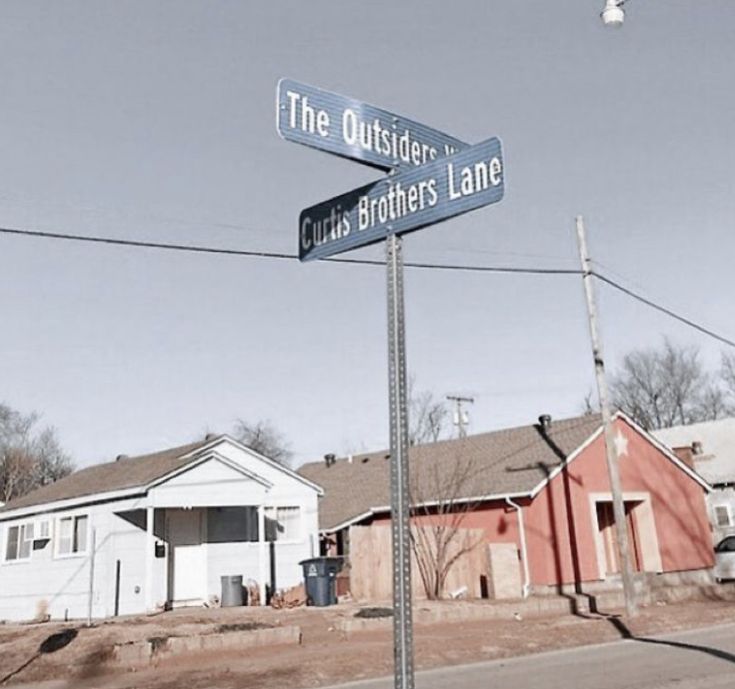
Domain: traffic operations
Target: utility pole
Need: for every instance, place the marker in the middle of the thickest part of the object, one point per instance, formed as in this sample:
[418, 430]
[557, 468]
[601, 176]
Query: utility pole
[621, 530]
[460, 416]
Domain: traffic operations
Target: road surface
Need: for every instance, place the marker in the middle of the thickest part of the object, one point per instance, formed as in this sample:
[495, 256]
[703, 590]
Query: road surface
[701, 659]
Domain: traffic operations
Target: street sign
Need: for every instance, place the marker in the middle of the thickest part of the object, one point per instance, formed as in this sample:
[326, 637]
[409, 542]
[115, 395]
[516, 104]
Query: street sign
[433, 177]
[403, 202]
[353, 129]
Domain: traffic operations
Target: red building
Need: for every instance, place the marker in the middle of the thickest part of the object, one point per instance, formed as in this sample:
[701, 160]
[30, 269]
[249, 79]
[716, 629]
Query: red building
[543, 487]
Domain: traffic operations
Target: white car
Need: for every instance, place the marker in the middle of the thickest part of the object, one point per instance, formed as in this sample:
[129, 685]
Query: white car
[725, 559]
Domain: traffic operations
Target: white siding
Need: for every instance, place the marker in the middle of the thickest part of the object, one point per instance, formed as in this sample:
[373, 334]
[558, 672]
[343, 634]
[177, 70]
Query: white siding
[60, 585]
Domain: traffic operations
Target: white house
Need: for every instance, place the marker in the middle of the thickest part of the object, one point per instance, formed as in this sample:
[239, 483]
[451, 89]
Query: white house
[709, 448]
[154, 531]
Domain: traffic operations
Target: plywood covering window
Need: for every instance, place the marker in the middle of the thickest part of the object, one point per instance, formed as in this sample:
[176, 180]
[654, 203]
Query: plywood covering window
[19, 542]
[72, 535]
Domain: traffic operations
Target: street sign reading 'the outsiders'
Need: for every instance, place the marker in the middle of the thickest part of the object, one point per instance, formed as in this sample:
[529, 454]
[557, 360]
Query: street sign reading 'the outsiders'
[410, 199]
[353, 129]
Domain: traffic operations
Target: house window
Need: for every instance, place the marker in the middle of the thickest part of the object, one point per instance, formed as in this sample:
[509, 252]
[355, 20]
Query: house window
[282, 523]
[722, 515]
[19, 542]
[72, 535]
[232, 524]
[44, 531]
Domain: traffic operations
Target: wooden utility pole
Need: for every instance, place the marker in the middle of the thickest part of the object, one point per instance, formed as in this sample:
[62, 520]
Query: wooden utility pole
[621, 529]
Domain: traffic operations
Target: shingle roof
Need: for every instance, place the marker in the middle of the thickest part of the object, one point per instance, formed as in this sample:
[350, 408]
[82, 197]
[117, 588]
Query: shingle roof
[129, 472]
[506, 462]
[717, 461]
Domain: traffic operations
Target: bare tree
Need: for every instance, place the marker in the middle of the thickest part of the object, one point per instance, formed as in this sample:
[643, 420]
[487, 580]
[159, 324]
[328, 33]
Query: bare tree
[427, 416]
[29, 457]
[264, 438]
[440, 505]
[665, 387]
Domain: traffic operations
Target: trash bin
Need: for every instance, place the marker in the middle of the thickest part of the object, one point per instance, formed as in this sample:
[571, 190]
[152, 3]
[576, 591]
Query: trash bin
[231, 591]
[320, 580]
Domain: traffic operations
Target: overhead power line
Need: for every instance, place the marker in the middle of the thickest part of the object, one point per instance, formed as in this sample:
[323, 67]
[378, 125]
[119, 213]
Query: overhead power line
[200, 249]
[663, 309]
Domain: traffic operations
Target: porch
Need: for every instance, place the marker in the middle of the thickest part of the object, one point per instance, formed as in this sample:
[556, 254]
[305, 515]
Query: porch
[187, 549]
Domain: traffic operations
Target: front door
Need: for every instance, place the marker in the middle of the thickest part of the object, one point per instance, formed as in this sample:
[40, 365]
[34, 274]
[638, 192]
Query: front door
[187, 562]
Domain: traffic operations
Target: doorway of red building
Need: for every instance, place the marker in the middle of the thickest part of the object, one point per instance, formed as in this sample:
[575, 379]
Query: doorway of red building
[606, 526]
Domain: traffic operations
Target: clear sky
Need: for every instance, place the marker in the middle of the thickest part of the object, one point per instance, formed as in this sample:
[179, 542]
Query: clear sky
[156, 120]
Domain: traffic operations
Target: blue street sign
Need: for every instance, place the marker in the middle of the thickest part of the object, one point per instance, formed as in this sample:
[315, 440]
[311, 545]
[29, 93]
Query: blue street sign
[352, 129]
[403, 202]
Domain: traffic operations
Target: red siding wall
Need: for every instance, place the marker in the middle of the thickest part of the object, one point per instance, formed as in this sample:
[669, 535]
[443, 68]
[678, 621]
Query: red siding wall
[560, 525]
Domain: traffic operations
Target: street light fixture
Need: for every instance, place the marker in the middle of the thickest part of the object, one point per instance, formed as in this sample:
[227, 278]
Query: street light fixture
[613, 13]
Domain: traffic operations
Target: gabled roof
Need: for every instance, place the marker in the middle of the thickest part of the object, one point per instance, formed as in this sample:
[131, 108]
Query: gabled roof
[717, 461]
[509, 462]
[127, 472]
[135, 475]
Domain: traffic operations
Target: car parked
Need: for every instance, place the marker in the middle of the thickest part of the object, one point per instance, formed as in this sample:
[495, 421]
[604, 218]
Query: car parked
[725, 559]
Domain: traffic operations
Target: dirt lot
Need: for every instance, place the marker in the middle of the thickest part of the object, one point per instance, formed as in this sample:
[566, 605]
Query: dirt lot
[326, 655]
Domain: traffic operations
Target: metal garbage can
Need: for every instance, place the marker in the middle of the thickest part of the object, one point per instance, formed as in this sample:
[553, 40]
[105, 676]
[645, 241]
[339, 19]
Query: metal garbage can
[320, 580]
[231, 591]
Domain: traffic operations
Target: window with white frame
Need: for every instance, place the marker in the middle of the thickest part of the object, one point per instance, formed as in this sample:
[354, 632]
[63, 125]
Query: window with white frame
[19, 542]
[43, 533]
[72, 535]
[282, 523]
[722, 515]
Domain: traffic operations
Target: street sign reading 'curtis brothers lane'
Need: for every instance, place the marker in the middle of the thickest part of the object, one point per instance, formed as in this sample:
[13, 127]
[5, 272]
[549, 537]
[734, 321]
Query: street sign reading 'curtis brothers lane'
[353, 129]
[408, 200]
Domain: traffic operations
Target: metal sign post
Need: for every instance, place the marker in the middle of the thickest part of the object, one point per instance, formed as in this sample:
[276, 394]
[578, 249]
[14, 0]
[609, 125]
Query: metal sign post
[399, 493]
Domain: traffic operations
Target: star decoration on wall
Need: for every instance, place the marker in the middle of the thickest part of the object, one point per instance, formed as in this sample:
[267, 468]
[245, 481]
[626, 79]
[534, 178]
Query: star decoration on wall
[621, 444]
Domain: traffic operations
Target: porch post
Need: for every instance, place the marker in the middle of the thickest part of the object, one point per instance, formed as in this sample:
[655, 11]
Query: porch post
[149, 516]
[261, 553]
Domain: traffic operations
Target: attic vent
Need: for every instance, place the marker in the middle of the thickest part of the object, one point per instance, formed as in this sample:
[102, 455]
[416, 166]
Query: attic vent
[545, 422]
[210, 436]
[365, 460]
[330, 459]
[119, 457]
[697, 447]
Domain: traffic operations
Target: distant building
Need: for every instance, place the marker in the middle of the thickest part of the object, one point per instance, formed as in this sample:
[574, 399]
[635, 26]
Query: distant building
[156, 531]
[709, 447]
[544, 488]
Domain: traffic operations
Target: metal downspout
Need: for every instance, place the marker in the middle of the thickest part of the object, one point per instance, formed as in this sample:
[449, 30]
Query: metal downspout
[524, 552]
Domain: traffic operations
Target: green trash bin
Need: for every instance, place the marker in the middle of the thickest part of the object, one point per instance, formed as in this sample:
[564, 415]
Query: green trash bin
[320, 580]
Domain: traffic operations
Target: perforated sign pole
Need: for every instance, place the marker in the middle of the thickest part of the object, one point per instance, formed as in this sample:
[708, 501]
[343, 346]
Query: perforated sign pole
[397, 384]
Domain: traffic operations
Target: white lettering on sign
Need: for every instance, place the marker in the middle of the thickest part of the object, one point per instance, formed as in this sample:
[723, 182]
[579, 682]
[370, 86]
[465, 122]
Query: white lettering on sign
[311, 120]
[394, 143]
[473, 178]
[317, 232]
[396, 203]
